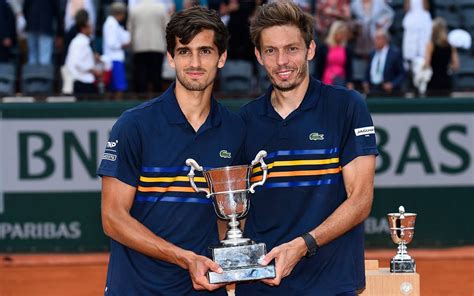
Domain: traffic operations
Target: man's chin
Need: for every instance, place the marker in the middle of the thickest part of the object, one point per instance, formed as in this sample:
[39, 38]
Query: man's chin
[194, 86]
[285, 86]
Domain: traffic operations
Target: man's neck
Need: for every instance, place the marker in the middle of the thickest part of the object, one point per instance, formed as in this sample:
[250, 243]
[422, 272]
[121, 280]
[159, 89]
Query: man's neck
[285, 102]
[383, 49]
[195, 105]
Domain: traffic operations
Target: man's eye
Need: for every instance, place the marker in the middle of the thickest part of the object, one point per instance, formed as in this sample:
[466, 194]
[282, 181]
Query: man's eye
[269, 50]
[293, 49]
[206, 51]
[183, 51]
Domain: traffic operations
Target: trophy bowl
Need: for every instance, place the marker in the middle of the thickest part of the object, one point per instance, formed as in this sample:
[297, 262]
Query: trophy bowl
[402, 229]
[231, 184]
[229, 187]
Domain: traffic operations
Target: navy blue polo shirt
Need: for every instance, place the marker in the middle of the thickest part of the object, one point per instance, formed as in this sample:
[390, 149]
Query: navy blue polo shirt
[306, 153]
[147, 149]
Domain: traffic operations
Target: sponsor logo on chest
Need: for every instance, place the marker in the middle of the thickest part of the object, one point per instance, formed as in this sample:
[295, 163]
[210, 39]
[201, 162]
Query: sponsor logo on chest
[225, 154]
[316, 137]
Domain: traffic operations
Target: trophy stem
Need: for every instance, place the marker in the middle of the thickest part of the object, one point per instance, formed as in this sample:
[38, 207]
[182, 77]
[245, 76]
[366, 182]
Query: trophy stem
[402, 253]
[234, 235]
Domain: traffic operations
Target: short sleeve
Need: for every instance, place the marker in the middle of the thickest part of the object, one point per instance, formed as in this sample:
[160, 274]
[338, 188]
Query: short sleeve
[358, 132]
[122, 155]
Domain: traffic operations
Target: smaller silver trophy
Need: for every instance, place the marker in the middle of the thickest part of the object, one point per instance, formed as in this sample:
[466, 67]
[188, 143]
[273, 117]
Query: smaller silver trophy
[228, 187]
[402, 229]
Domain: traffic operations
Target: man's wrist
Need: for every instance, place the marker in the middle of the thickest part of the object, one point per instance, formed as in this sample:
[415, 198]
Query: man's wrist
[311, 244]
[301, 245]
[184, 258]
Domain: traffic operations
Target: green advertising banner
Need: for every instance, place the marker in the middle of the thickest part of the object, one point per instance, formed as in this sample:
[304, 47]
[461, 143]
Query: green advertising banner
[50, 196]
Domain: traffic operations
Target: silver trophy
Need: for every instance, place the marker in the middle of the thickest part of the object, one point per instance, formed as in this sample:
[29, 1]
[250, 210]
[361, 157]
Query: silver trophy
[228, 187]
[402, 229]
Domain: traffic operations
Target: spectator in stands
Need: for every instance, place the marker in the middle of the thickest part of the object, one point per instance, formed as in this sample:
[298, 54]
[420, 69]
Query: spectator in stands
[102, 10]
[370, 15]
[17, 7]
[240, 45]
[81, 17]
[328, 11]
[385, 73]
[80, 60]
[7, 31]
[442, 58]
[43, 21]
[115, 39]
[170, 5]
[73, 6]
[416, 32]
[334, 58]
[147, 23]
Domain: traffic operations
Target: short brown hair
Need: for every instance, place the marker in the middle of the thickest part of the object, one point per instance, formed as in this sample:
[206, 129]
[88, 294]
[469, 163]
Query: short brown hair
[186, 24]
[281, 13]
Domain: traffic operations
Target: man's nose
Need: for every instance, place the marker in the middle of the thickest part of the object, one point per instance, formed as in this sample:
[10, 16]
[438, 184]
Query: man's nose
[282, 58]
[195, 60]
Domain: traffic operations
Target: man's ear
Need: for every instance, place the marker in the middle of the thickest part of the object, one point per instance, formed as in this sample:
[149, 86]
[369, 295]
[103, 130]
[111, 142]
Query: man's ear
[170, 60]
[257, 54]
[222, 60]
[311, 50]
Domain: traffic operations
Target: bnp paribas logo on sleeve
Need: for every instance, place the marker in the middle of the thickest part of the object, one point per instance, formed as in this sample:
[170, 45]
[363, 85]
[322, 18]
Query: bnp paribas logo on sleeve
[225, 154]
[316, 137]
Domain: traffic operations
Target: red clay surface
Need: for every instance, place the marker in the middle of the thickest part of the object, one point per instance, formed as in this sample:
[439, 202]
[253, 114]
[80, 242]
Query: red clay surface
[448, 272]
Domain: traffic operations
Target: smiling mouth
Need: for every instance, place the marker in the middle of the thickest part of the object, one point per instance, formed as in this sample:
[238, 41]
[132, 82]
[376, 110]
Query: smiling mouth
[284, 74]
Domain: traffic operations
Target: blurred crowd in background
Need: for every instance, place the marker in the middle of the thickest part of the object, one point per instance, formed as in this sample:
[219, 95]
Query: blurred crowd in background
[101, 49]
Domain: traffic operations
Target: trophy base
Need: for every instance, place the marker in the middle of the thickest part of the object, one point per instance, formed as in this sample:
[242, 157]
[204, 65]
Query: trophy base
[240, 263]
[242, 274]
[402, 266]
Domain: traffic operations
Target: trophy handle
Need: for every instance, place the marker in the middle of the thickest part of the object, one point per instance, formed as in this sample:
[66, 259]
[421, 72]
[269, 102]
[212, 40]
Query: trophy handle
[195, 166]
[259, 158]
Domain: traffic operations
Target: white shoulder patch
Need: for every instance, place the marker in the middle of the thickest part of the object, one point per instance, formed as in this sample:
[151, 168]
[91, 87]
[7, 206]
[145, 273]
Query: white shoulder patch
[364, 131]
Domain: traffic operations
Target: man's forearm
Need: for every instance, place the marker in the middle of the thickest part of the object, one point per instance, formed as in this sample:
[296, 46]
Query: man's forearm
[359, 182]
[131, 233]
[347, 216]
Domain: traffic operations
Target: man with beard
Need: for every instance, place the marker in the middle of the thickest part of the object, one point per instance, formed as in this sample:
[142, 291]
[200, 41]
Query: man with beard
[159, 227]
[321, 149]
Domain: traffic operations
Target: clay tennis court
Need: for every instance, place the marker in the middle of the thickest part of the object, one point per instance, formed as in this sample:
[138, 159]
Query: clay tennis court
[447, 272]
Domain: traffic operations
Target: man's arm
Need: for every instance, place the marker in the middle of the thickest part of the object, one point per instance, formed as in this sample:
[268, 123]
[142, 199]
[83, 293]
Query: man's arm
[117, 199]
[359, 182]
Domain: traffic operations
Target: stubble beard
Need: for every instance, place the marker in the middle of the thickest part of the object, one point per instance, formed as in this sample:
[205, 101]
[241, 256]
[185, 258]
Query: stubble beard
[193, 85]
[301, 73]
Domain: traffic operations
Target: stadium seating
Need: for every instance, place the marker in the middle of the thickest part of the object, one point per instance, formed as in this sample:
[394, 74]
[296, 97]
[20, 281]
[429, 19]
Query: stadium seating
[465, 3]
[19, 99]
[449, 10]
[464, 78]
[263, 80]
[358, 67]
[236, 76]
[467, 13]
[7, 79]
[61, 99]
[37, 79]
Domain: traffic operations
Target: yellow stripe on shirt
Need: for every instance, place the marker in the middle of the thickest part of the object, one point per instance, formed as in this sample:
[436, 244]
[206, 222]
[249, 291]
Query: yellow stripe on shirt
[170, 179]
[299, 173]
[299, 162]
[166, 189]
